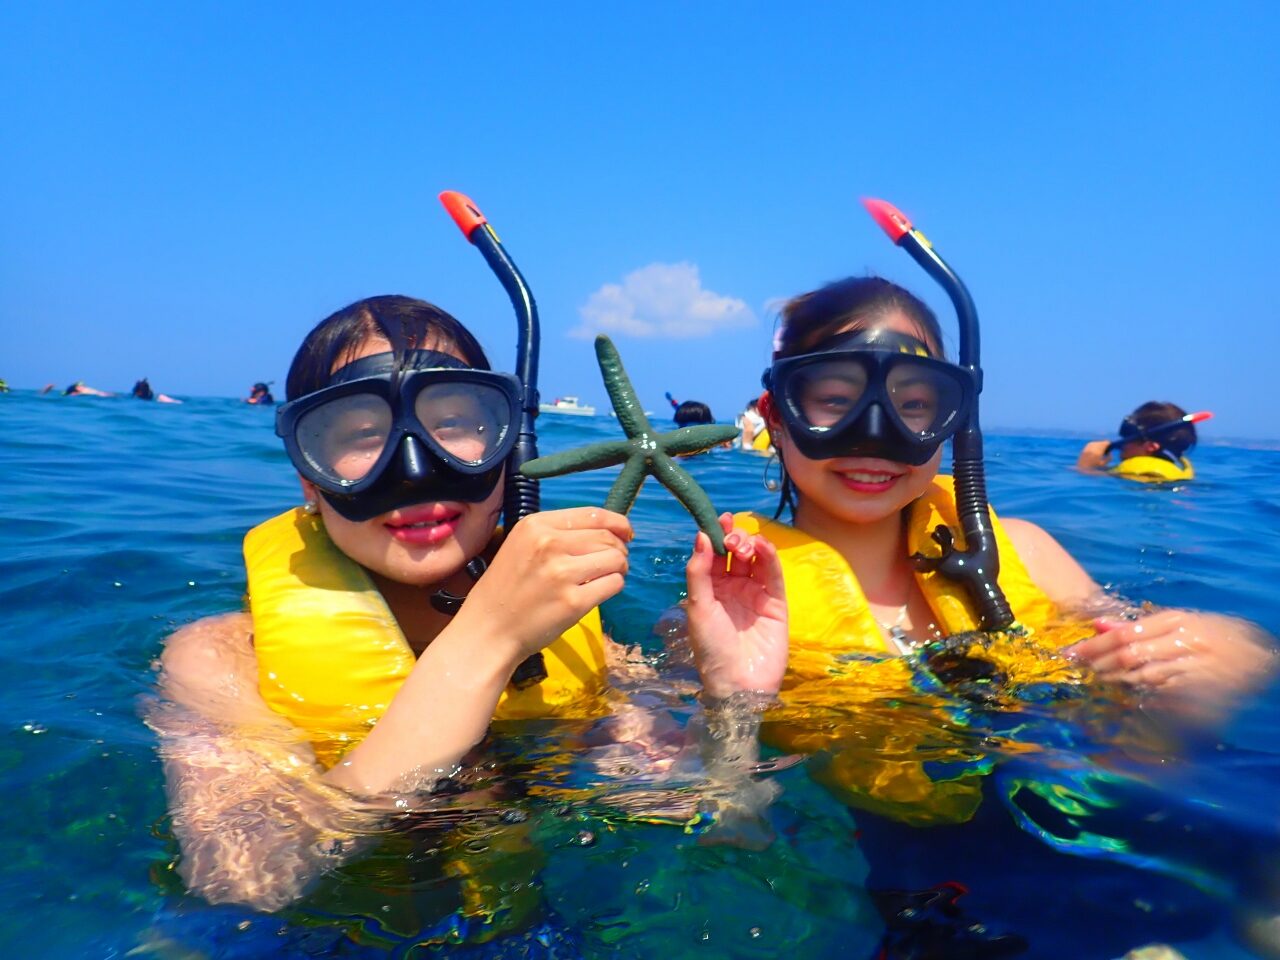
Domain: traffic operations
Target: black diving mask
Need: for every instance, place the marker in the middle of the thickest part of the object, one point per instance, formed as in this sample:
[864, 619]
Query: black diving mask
[873, 393]
[1173, 437]
[385, 435]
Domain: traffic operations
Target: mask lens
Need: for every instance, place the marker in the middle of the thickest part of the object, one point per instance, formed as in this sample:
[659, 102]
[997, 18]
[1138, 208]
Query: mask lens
[924, 398]
[343, 439]
[824, 393]
[468, 420]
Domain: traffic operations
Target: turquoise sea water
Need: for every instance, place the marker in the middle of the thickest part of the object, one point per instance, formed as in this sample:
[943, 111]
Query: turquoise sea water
[121, 520]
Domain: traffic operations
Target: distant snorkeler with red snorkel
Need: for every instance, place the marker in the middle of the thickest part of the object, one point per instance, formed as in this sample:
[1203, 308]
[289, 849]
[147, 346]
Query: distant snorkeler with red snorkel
[1152, 441]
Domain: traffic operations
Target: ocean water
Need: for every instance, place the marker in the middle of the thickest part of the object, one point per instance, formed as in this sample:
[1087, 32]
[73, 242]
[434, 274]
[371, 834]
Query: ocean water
[122, 520]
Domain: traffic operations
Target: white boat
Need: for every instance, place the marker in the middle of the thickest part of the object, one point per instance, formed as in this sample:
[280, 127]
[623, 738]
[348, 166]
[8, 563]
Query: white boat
[568, 406]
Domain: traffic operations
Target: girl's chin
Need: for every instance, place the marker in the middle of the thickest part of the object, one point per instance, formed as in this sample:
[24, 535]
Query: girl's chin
[412, 575]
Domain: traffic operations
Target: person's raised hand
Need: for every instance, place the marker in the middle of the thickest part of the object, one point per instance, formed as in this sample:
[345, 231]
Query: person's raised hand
[551, 570]
[737, 614]
[1095, 455]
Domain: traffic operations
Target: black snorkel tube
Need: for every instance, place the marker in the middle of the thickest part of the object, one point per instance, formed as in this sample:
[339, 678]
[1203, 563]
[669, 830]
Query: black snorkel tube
[520, 495]
[977, 566]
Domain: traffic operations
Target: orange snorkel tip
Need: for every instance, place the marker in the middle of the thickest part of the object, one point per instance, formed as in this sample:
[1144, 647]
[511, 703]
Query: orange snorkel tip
[463, 211]
[892, 220]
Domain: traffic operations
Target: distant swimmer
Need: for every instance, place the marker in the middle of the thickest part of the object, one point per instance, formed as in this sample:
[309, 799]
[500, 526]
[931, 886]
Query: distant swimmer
[691, 413]
[1153, 441]
[142, 391]
[260, 393]
[755, 432]
[78, 389]
[4, 386]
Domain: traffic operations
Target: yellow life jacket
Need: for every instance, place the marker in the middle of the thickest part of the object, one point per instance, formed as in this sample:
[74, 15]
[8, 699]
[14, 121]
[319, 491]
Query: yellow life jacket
[1153, 469]
[844, 681]
[331, 655]
[761, 439]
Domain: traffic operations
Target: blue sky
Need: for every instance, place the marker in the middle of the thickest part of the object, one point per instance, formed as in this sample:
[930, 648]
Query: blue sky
[188, 188]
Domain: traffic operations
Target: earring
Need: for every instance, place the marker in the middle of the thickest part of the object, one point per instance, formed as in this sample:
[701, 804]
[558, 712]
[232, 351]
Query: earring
[311, 508]
[770, 484]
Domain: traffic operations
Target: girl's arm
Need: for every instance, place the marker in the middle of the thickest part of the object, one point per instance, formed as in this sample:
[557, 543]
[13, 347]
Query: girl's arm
[1054, 570]
[737, 615]
[256, 818]
[1095, 456]
[1199, 662]
[551, 570]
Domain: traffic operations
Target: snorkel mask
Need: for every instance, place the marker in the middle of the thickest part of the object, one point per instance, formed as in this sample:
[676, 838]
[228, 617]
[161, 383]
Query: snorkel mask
[1174, 437]
[872, 393]
[386, 434]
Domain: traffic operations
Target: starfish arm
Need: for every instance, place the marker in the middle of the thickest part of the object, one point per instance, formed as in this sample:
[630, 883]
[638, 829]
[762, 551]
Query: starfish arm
[621, 393]
[626, 488]
[606, 453]
[694, 498]
[695, 439]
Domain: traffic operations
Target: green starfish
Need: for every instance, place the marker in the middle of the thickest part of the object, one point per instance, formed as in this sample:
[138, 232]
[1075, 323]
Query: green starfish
[643, 452]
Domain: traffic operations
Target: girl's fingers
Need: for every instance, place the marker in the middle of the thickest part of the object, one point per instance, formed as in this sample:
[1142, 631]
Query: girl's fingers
[1157, 673]
[1099, 645]
[579, 543]
[1114, 635]
[580, 518]
[1137, 654]
[1126, 657]
[769, 568]
[741, 548]
[600, 589]
[585, 568]
[698, 570]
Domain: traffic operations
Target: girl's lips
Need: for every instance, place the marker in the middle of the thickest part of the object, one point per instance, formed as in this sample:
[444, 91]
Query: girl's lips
[868, 480]
[424, 525]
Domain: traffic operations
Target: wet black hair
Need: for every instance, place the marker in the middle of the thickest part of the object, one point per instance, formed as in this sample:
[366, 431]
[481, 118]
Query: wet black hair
[142, 390]
[691, 412]
[1155, 412]
[809, 321]
[404, 322]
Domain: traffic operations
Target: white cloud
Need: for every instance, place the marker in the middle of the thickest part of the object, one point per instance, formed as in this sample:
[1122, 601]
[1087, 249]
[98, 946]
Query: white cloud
[661, 300]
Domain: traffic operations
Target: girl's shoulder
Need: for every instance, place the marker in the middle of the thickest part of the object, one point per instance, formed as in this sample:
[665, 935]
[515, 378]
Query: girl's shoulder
[210, 659]
[1051, 567]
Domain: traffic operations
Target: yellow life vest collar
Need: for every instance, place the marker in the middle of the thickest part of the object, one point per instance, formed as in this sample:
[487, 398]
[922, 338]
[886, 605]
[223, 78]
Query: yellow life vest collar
[1147, 469]
[331, 655]
[825, 596]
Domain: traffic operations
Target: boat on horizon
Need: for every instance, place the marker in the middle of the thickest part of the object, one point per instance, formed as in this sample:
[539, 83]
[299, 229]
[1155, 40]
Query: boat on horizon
[567, 406]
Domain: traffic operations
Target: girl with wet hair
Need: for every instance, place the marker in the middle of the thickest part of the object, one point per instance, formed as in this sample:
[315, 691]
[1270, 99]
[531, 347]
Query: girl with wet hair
[859, 401]
[387, 615]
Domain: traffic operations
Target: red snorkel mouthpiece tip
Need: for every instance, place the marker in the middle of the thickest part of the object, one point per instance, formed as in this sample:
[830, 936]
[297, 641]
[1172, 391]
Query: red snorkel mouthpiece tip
[464, 212]
[892, 220]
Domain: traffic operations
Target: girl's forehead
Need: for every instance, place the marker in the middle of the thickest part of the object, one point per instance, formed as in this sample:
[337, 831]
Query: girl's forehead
[892, 320]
